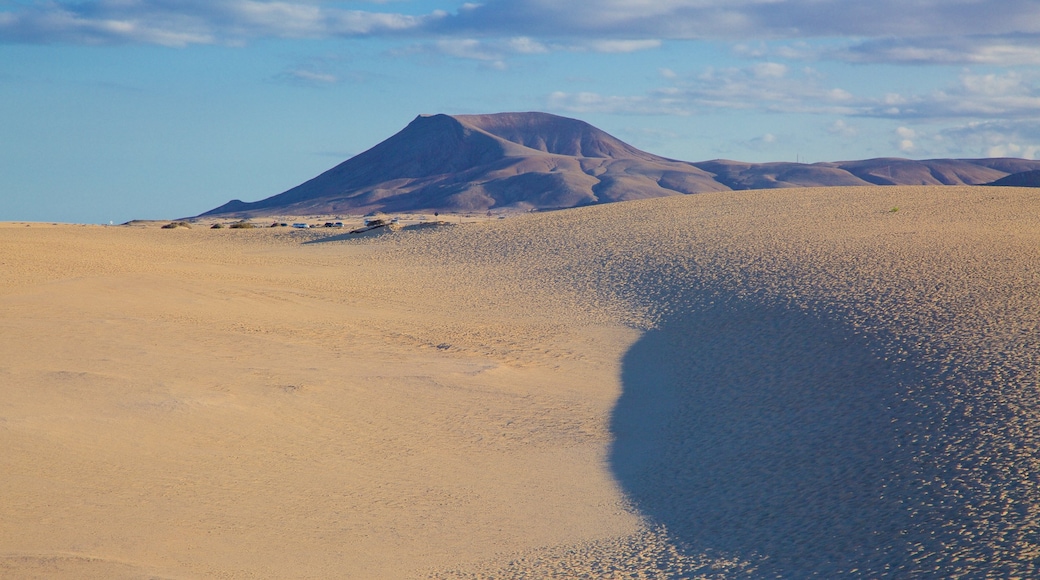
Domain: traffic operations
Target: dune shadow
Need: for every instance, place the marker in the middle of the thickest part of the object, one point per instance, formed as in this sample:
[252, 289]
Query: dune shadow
[766, 434]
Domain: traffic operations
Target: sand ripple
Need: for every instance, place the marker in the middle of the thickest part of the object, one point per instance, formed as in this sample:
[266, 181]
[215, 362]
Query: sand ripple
[788, 383]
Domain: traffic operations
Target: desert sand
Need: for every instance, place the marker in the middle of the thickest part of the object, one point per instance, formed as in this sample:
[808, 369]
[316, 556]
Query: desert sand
[840, 382]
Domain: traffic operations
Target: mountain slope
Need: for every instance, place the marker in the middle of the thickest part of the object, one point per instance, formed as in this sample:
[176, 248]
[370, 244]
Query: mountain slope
[540, 161]
[476, 162]
[1021, 179]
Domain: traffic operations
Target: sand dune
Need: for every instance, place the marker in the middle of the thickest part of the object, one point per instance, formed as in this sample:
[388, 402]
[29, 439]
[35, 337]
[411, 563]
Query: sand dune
[839, 382]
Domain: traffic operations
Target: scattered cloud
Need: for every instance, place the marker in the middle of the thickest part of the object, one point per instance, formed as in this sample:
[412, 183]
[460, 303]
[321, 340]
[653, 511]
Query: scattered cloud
[498, 51]
[994, 139]
[526, 45]
[468, 48]
[184, 22]
[320, 70]
[842, 129]
[982, 96]
[768, 87]
[308, 77]
[992, 104]
[589, 102]
[1010, 50]
[615, 46]
[492, 53]
[905, 139]
[769, 70]
[764, 86]
[764, 144]
[974, 32]
[738, 19]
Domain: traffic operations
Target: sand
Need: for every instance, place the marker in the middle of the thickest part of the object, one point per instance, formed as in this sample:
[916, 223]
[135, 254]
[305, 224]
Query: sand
[743, 384]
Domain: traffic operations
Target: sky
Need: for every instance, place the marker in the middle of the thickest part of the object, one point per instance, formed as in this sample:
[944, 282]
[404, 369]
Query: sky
[112, 110]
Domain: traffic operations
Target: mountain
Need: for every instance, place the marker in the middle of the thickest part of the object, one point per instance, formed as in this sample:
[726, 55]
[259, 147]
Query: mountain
[1021, 179]
[476, 162]
[541, 161]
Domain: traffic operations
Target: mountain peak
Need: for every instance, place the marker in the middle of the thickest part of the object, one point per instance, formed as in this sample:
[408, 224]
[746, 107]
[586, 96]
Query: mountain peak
[529, 160]
[553, 134]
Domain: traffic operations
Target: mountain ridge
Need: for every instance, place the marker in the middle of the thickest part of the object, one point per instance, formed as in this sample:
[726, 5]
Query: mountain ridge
[534, 160]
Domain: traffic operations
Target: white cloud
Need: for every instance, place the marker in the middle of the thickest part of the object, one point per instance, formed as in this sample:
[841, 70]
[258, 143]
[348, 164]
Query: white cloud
[1012, 49]
[589, 102]
[624, 45]
[499, 50]
[842, 129]
[966, 48]
[994, 139]
[1012, 149]
[840, 95]
[184, 22]
[469, 48]
[764, 86]
[905, 139]
[310, 77]
[739, 19]
[767, 88]
[769, 70]
[989, 96]
[492, 52]
[993, 84]
[526, 45]
[974, 32]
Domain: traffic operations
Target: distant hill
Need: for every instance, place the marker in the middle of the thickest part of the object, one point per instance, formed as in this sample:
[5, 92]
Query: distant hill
[1021, 179]
[542, 161]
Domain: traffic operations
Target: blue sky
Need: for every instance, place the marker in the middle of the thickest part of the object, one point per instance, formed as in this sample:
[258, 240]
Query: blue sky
[122, 109]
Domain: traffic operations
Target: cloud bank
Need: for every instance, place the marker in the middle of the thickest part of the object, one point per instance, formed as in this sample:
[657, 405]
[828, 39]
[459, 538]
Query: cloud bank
[972, 31]
[774, 87]
[992, 106]
[184, 22]
[735, 19]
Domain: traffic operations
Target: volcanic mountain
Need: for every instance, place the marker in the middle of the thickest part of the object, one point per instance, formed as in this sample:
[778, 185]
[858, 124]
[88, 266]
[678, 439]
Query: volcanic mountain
[476, 162]
[542, 161]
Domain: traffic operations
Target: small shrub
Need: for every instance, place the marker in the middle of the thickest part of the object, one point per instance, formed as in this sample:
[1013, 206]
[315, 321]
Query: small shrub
[174, 225]
[242, 226]
[217, 227]
[893, 210]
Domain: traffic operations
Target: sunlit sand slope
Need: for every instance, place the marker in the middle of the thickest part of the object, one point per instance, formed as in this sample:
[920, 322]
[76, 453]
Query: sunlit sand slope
[840, 382]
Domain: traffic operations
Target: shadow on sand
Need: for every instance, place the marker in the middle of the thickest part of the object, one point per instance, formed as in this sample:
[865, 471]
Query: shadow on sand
[766, 434]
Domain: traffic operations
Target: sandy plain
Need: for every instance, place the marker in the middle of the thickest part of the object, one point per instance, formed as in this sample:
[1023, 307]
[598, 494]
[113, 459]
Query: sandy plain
[839, 382]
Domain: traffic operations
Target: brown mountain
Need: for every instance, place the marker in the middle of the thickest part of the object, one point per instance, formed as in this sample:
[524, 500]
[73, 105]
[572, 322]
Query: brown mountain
[539, 161]
[1021, 179]
[476, 162]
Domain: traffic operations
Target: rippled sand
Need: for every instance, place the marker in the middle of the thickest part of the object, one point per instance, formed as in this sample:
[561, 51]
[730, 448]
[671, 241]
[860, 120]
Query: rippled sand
[840, 382]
